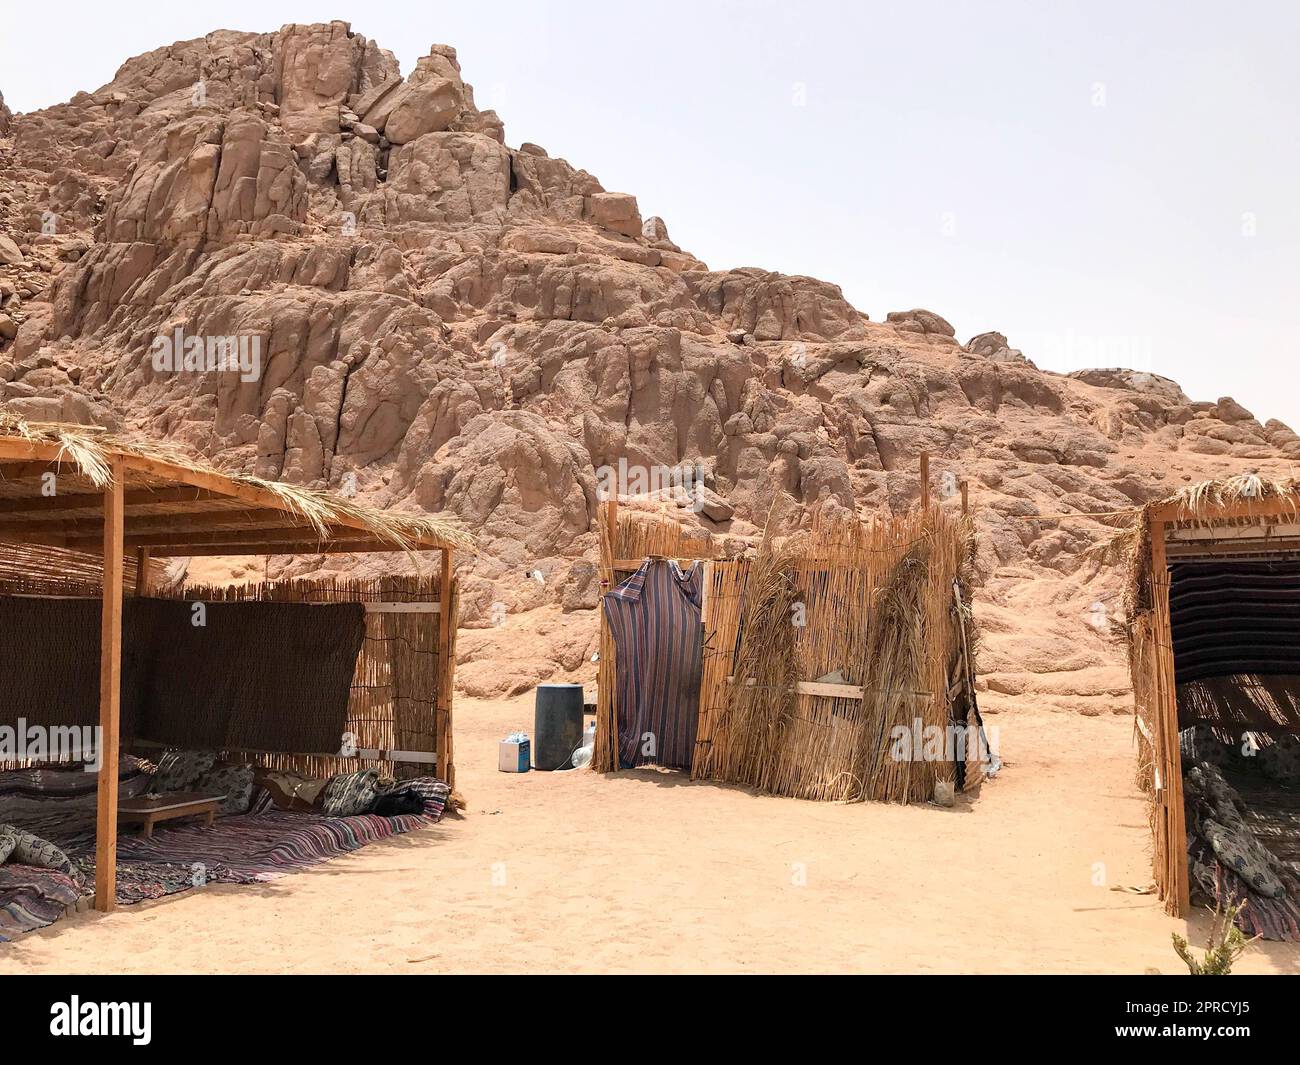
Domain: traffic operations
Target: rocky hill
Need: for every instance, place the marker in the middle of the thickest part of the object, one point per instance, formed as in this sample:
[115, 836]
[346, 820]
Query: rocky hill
[455, 325]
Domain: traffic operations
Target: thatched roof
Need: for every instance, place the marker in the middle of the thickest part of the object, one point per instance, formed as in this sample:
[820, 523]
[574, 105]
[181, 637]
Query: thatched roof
[177, 504]
[1247, 499]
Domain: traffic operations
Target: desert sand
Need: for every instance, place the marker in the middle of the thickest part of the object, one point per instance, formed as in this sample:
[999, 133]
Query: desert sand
[646, 871]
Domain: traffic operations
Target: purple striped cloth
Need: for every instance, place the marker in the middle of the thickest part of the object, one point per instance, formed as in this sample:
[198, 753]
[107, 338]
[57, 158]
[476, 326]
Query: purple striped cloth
[654, 618]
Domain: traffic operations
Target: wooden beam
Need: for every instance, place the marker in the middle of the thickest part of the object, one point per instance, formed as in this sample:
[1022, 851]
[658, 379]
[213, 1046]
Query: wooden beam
[141, 571]
[399, 608]
[16, 449]
[1209, 550]
[137, 497]
[965, 498]
[176, 522]
[21, 471]
[110, 697]
[248, 493]
[41, 455]
[1270, 507]
[925, 482]
[212, 537]
[312, 547]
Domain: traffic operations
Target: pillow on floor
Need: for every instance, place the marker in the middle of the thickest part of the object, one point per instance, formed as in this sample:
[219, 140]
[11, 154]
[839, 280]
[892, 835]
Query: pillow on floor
[349, 794]
[235, 782]
[32, 850]
[289, 790]
[180, 770]
[7, 844]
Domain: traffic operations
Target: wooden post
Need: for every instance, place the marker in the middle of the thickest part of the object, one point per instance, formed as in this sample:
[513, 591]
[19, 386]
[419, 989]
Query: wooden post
[925, 482]
[446, 619]
[110, 695]
[605, 757]
[1170, 811]
[965, 499]
[141, 571]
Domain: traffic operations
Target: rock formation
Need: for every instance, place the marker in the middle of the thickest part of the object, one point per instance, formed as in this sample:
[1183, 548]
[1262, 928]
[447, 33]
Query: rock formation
[461, 326]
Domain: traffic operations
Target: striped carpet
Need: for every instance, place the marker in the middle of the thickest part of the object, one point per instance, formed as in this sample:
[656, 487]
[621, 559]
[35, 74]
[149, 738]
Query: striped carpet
[243, 849]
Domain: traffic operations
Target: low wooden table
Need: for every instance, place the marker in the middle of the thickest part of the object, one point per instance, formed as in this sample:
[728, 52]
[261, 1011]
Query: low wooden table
[154, 808]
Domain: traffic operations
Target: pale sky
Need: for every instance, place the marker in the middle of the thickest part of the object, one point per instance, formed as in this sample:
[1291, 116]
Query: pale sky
[1105, 183]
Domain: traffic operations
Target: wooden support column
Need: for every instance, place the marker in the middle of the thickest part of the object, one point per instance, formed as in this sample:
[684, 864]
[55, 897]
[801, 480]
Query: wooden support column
[110, 695]
[1170, 811]
[925, 482]
[141, 571]
[965, 499]
[446, 619]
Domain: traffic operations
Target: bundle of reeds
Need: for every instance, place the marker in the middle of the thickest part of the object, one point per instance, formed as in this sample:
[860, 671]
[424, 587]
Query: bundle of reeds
[871, 605]
[760, 709]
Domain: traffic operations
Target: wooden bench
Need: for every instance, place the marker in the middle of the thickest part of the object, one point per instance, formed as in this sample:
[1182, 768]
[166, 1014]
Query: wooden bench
[151, 809]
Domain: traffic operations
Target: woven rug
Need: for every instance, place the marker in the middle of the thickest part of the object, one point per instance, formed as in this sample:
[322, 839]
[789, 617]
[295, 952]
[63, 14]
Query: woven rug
[242, 849]
[32, 898]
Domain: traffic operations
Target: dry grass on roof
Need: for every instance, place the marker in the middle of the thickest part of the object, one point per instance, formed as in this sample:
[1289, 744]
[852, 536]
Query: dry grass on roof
[91, 449]
[1200, 501]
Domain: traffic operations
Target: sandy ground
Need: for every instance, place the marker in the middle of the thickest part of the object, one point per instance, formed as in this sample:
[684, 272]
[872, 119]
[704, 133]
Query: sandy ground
[646, 871]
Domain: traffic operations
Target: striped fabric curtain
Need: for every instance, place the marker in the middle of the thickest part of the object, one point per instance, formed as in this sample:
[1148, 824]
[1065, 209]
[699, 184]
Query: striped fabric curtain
[654, 617]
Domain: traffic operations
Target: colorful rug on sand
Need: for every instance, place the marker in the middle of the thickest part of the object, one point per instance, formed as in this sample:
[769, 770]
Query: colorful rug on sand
[32, 898]
[259, 846]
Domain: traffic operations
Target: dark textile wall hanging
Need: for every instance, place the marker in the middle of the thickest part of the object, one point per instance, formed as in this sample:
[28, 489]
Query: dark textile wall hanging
[49, 661]
[1230, 618]
[654, 618]
[261, 676]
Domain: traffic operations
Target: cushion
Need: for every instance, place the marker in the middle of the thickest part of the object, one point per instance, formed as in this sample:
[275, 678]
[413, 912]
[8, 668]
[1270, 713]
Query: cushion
[289, 790]
[432, 793]
[349, 794]
[261, 802]
[32, 850]
[235, 782]
[1280, 760]
[390, 804]
[180, 770]
[8, 841]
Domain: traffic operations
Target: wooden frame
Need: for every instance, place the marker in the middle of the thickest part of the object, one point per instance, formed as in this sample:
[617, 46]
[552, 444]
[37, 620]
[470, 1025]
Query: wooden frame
[1236, 529]
[627, 540]
[160, 509]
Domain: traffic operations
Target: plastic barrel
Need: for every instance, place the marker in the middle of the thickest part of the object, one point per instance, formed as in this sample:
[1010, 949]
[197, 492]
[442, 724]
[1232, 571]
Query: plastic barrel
[557, 725]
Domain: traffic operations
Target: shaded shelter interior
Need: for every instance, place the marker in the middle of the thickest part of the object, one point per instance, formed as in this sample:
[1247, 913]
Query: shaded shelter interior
[1235, 628]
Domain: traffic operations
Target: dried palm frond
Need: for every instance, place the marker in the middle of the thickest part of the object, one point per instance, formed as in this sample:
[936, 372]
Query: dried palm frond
[90, 449]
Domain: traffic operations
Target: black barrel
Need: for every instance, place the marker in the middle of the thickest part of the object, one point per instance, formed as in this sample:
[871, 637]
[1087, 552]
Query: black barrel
[557, 725]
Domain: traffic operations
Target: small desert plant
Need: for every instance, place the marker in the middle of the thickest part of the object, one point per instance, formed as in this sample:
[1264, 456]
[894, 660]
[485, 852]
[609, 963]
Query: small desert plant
[1226, 943]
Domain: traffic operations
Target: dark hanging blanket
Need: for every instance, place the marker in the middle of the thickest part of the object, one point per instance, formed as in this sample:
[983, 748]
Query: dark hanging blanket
[263, 676]
[654, 618]
[1231, 618]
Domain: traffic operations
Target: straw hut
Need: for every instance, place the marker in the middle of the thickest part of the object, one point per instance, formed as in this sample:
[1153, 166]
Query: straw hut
[84, 511]
[837, 664]
[1213, 603]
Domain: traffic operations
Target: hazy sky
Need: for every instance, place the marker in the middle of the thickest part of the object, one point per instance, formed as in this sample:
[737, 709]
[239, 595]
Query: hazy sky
[1105, 183]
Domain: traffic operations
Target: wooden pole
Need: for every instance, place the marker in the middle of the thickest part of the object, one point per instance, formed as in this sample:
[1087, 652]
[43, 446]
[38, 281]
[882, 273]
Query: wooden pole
[1175, 817]
[605, 757]
[445, 622]
[1178, 883]
[141, 571]
[110, 695]
[965, 499]
[925, 482]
